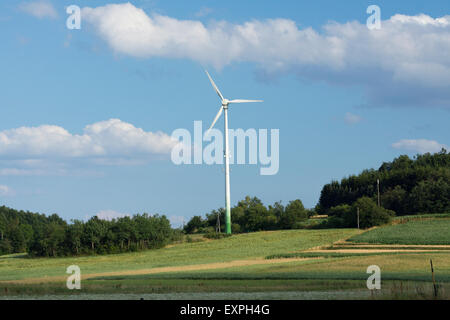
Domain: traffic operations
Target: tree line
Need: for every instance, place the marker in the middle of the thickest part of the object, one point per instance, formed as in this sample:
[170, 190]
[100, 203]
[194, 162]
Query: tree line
[39, 235]
[251, 215]
[407, 186]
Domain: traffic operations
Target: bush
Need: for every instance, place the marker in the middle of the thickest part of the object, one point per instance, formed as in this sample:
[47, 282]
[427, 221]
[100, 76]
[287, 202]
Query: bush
[208, 230]
[177, 235]
[194, 225]
[340, 210]
[235, 228]
[370, 214]
[336, 222]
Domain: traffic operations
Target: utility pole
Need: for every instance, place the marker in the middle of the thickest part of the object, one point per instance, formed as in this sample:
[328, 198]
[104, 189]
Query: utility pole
[378, 189]
[357, 214]
[218, 223]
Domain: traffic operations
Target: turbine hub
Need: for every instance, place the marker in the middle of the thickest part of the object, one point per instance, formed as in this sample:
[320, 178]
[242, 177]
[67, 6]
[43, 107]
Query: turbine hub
[225, 102]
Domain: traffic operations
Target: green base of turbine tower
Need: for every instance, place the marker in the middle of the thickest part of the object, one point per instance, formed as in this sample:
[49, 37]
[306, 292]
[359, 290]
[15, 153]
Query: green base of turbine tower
[228, 222]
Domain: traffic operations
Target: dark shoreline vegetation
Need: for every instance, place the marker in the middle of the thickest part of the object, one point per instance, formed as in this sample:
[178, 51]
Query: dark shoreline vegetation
[408, 186]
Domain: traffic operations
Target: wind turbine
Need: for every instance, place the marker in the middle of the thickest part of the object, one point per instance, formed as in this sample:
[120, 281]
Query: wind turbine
[224, 107]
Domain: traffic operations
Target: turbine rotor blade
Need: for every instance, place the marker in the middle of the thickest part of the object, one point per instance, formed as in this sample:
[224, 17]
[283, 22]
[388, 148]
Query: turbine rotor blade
[216, 118]
[244, 101]
[214, 86]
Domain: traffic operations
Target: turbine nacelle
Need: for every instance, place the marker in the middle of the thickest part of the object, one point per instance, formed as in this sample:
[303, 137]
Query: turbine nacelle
[225, 102]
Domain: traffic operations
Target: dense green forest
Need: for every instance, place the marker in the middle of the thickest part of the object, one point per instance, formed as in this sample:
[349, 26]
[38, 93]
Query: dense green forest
[40, 235]
[407, 186]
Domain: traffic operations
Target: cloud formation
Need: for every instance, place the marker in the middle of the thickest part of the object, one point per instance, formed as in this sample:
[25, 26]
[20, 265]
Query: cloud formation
[204, 11]
[404, 63]
[21, 172]
[351, 118]
[39, 9]
[105, 139]
[110, 215]
[419, 145]
[6, 191]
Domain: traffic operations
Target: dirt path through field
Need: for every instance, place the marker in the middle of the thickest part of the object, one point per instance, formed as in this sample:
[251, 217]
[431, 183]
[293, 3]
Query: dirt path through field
[197, 267]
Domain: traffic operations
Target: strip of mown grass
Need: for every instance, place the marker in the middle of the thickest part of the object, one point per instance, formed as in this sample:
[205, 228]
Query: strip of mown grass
[426, 232]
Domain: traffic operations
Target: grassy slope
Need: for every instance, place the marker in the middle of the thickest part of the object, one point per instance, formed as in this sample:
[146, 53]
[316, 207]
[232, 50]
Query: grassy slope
[245, 246]
[335, 272]
[413, 232]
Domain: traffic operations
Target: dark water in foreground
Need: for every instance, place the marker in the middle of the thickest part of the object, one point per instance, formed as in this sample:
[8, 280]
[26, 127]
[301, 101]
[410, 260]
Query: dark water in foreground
[275, 295]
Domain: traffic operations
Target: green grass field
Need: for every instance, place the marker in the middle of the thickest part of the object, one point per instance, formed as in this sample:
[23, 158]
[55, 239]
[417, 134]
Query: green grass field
[436, 231]
[313, 275]
[244, 246]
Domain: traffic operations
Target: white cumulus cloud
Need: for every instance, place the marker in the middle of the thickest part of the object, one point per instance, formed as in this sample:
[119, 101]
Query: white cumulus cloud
[111, 138]
[404, 63]
[419, 145]
[39, 9]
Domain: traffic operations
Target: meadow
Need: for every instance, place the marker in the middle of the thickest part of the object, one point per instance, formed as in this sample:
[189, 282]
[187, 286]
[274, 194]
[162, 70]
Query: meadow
[291, 264]
[243, 246]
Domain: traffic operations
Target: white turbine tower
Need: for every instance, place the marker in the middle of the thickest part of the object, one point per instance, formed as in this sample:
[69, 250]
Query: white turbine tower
[224, 106]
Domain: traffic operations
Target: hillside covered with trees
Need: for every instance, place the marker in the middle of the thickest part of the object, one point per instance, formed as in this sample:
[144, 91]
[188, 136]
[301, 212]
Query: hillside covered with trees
[407, 186]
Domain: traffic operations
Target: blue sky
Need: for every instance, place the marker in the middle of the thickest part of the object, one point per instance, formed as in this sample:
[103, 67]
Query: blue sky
[344, 99]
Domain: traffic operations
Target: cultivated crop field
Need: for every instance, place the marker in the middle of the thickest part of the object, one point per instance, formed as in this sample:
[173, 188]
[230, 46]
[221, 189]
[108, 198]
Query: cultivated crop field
[427, 232]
